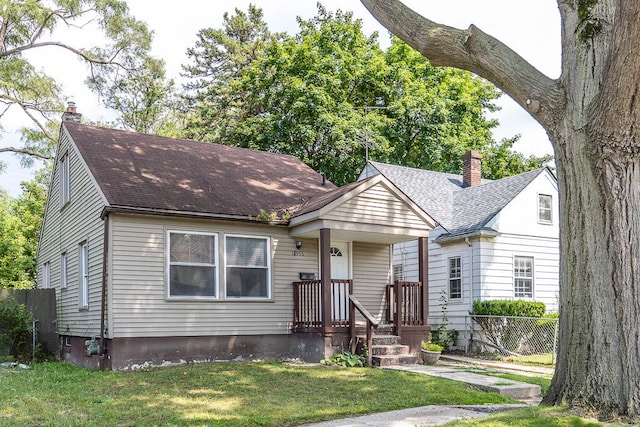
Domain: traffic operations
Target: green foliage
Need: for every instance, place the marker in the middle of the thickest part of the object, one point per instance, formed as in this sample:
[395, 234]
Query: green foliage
[29, 25]
[440, 333]
[141, 94]
[20, 222]
[517, 308]
[346, 359]
[499, 160]
[15, 328]
[328, 94]
[430, 346]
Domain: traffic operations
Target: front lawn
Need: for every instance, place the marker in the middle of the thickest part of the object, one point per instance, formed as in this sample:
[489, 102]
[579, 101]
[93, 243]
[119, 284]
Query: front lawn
[229, 394]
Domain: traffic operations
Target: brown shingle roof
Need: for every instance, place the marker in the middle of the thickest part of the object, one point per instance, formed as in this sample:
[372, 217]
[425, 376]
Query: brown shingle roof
[151, 172]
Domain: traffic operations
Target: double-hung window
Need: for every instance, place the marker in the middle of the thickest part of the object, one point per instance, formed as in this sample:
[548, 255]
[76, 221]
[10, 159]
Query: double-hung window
[545, 212]
[455, 278]
[523, 277]
[248, 267]
[64, 179]
[192, 265]
[83, 275]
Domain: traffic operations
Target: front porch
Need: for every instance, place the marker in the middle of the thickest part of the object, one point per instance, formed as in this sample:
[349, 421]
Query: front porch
[351, 327]
[353, 230]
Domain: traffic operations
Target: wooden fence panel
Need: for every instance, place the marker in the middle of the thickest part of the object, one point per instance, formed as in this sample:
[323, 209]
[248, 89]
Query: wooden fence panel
[42, 305]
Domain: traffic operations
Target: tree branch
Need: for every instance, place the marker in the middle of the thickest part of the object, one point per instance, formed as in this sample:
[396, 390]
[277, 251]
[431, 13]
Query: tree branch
[475, 51]
[25, 151]
[78, 52]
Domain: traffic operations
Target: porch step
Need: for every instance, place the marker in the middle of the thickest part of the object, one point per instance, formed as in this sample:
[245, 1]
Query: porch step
[388, 350]
[394, 359]
[385, 339]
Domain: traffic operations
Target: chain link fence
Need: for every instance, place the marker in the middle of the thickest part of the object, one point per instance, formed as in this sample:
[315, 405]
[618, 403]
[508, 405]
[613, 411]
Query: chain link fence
[503, 335]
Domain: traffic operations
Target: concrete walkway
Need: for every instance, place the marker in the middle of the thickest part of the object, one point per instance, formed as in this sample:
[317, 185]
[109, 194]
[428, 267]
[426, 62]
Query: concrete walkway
[454, 368]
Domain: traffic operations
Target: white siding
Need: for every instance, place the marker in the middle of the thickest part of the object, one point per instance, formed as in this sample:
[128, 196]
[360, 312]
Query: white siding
[63, 230]
[138, 282]
[377, 206]
[487, 263]
[520, 216]
[497, 267]
[371, 275]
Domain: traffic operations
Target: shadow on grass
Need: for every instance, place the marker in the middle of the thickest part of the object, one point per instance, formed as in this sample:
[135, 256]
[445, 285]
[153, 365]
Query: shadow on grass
[229, 394]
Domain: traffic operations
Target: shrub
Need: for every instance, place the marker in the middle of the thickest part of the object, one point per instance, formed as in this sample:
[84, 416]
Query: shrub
[516, 308]
[15, 327]
[346, 359]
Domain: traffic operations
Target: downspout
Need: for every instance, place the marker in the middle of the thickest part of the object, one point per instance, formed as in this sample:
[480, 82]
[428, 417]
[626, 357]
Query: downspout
[105, 252]
[469, 338]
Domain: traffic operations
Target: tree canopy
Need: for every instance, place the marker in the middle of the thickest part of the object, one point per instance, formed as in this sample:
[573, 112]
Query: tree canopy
[330, 94]
[30, 25]
[20, 222]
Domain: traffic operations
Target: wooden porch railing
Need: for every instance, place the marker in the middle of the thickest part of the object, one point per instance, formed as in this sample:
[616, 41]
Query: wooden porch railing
[408, 309]
[372, 324]
[307, 303]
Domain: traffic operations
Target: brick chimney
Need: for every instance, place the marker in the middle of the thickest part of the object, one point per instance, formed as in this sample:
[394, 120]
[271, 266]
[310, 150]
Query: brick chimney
[70, 114]
[472, 168]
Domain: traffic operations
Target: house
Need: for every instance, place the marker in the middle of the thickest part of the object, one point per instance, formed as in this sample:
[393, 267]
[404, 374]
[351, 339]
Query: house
[493, 239]
[164, 251]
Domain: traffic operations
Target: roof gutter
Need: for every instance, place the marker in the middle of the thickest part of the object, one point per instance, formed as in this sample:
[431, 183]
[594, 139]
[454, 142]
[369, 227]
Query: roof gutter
[483, 232]
[182, 214]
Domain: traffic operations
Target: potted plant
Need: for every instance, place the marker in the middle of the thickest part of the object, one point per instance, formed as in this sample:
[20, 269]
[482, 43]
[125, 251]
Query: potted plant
[430, 352]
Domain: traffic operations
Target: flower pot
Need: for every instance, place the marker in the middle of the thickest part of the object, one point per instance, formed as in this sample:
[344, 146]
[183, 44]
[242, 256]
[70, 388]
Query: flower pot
[430, 357]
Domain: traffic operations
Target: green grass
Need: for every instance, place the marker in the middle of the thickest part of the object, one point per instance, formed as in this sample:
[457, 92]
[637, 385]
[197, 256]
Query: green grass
[545, 360]
[229, 394]
[543, 382]
[538, 416]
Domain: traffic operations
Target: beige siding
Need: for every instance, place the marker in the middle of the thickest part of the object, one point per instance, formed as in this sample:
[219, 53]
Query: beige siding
[138, 282]
[377, 206]
[63, 230]
[371, 275]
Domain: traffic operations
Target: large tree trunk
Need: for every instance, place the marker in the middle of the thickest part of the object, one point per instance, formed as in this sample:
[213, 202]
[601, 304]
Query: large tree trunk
[592, 116]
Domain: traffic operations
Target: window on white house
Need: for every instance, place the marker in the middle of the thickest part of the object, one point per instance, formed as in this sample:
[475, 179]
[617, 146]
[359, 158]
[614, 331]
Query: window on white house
[398, 273]
[83, 275]
[523, 277]
[46, 275]
[64, 180]
[455, 278]
[248, 267]
[63, 270]
[192, 265]
[545, 213]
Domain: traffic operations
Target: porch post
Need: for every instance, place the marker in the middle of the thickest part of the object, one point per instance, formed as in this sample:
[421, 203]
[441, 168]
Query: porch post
[325, 277]
[423, 276]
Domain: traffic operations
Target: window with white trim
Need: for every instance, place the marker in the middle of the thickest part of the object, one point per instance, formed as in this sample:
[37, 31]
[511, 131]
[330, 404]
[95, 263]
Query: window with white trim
[193, 270]
[248, 267]
[545, 212]
[523, 277]
[46, 275]
[455, 278]
[64, 179]
[63, 270]
[83, 275]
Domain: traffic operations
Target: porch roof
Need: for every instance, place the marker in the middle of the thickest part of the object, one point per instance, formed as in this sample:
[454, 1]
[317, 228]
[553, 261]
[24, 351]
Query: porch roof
[371, 210]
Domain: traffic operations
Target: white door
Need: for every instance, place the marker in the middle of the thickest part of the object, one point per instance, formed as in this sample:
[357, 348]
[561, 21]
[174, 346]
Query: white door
[340, 270]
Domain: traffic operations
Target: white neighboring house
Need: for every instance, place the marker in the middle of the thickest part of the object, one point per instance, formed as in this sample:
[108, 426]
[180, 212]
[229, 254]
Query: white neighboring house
[494, 239]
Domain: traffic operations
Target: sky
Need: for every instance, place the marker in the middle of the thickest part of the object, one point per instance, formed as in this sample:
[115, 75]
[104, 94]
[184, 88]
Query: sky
[531, 28]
